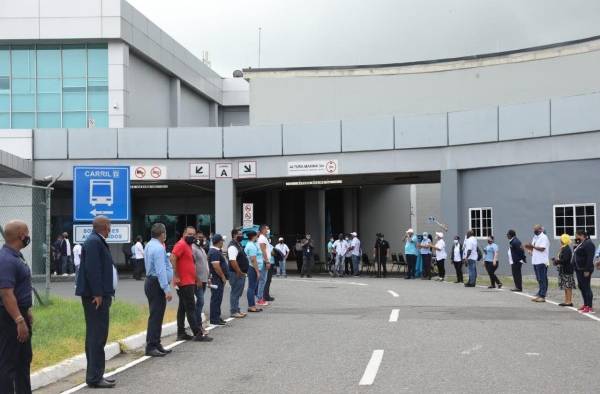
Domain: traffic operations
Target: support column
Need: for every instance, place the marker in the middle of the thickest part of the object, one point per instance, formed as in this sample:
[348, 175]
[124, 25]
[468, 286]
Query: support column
[118, 92]
[213, 115]
[314, 214]
[175, 102]
[413, 207]
[321, 247]
[350, 210]
[274, 207]
[225, 197]
[450, 201]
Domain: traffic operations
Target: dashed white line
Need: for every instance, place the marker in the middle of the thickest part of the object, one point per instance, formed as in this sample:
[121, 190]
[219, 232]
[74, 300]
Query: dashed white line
[394, 315]
[372, 367]
[532, 354]
[472, 350]
[393, 293]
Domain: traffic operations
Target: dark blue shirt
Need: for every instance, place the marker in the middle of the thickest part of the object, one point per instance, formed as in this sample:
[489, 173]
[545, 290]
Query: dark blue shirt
[215, 254]
[15, 274]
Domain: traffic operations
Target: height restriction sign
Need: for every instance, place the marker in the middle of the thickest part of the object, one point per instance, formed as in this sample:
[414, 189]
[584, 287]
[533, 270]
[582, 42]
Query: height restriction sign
[248, 214]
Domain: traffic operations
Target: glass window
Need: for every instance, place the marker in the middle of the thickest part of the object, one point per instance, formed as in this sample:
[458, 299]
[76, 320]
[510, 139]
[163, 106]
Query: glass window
[4, 120]
[74, 119]
[23, 95]
[49, 95]
[23, 62]
[48, 119]
[97, 95]
[570, 218]
[4, 84]
[481, 221]
[74, 61]
[74, 94]
[98, 60]
[48, 61]
[98, 119]
[23, 120]
[4, 102]
[5, 61]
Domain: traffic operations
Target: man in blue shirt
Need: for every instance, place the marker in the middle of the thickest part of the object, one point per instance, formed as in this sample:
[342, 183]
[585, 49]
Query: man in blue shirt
[410, 251]
[159, 274]
[15, 311]
[491, 262]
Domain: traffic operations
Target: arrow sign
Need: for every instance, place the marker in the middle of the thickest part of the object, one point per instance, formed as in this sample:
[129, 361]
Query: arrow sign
[96, 212]
[247, 169]
[199, 170]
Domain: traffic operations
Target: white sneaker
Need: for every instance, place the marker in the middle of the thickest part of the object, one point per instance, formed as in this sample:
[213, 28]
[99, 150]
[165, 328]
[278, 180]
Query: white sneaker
[65, 274]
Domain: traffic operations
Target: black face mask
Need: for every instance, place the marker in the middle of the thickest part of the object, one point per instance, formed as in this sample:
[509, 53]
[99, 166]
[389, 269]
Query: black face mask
[239, 238]
[537, 232]
[26, 241]
[189, 239]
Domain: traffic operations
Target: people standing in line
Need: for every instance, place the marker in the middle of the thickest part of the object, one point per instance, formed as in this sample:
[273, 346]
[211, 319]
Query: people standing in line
[76, 259]
[540, 259]
[238, 267]
[330, 255]
[255, 259]
[218, 278]
[16, 317]
[457, 259]
[348, 268]
[425, 251]
[381, 250]
[491, 262]
[184, 278]
[157, 288]
[340, 248]
[308, 254]
[356, 252]
[285, 252]
[138, 256]
[564, 264]
[66, 254]
[263, 249]
[202, 272]
[96, 286]
[440, 255]
[410, 251]
[470, 256]
[516, 258]
[299, 255]
[270, 271]
[584, 268]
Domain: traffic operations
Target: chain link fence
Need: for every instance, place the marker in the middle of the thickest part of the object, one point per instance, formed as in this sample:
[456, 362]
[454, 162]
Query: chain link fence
[30, 204]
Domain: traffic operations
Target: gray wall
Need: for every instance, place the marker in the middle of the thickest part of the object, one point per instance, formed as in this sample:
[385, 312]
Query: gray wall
[428, 204]
[234, 116]
[522, 196]
[304, 99]
[194, 109]
[149, 100]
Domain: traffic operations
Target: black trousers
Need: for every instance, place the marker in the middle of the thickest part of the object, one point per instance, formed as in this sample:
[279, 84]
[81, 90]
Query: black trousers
[157, 304]
[272, 270]
[299, 261]
[516, 273]
[15, 357]
[411, 262]
[96, 333]
[348, 268]
[489, 267]
[459, 273]
[138, 268]
[381, 262]
[309, 260]
[426, 266]
[187, 308]
[441, 268]
[585, 285]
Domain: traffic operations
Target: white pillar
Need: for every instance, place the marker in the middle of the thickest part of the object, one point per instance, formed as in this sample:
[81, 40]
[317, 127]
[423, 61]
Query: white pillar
[175, 102]
[225, 197]
[118, 92]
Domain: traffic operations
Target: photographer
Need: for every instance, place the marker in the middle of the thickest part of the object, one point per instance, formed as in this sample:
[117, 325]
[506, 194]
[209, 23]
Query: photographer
[380, 254]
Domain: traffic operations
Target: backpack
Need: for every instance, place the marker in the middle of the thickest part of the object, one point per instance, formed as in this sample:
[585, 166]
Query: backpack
[479, 254]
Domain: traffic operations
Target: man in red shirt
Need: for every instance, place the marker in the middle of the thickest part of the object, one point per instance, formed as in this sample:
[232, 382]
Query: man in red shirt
[184, 277]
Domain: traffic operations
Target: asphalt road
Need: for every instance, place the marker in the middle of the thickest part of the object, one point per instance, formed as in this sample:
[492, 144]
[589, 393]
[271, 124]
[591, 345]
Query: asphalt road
[320, 334]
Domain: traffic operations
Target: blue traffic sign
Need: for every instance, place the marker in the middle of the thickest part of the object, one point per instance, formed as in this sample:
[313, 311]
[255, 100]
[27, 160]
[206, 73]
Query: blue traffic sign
[101, 191]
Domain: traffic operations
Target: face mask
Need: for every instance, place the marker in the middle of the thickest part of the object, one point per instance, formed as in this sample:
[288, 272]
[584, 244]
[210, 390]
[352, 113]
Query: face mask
[268, 233]
[490, 242]
[308, 237]
[189, 239]
[239, 238]
[537, 232]
[26, 241]
[456, 241]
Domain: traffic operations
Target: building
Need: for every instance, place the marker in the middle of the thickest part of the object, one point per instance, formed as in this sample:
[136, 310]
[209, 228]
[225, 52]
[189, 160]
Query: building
[489, 142]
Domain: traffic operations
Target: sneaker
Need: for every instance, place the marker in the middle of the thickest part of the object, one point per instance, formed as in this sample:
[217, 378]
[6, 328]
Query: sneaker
[539, 299]
[262, 302]
[184, 337]
[581, 308]
[499, 285]
[491, 287]
[65, 274]
[590, 310]
[587, 309]
[238, 315]
[202, 338]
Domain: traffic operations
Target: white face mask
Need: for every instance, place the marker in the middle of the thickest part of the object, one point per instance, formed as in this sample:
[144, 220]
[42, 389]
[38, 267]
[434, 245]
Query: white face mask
[456, 241]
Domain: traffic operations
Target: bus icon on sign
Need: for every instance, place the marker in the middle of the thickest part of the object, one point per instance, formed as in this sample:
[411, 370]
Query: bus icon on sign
[101, 192]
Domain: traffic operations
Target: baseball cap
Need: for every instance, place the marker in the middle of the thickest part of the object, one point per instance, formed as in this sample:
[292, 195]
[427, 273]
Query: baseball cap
[217, 238]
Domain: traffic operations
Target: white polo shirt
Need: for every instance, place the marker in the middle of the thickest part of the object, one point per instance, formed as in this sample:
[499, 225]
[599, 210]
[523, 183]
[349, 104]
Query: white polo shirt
[77, 255]
[138, 248]
[537, 257]
[283, 248]
[470, 244]
[355, 243]
[440, 254]
[340, 247]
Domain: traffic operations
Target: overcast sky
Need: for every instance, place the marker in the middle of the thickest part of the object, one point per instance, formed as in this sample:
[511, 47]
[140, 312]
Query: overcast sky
[343, 32]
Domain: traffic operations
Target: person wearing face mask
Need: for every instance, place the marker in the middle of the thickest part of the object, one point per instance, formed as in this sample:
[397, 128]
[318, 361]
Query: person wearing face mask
[564, 264]
[516, 258]
[202, 272]
[425, 250]
[184, 278]
[410, 251]
[539, 249]
[457, 260]
[157, 288]
[238, 268]
[96, 285]
[340, 248]
[263, 249]
[491, 262]
[381, 251]
[330, 255]
[16, 318]
[470, 256]
[284, 251]
[308, 254]
[440, 255]
[584, 268]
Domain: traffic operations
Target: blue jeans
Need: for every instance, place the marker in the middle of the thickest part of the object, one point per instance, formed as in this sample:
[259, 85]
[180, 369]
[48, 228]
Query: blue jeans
[237, 288]
[199, 302]
[282, 268]
[541, 274]
[339, 264]
[252, 287]
[472, 272]
[216, 298]
[262, 281]
[356, 264]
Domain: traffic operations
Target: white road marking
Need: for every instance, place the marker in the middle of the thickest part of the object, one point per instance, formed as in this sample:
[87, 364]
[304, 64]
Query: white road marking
[555, 303]
[372, 367]
[532, 354]
[332, 280]
[394, 315]
[472, 350]
[393, 293]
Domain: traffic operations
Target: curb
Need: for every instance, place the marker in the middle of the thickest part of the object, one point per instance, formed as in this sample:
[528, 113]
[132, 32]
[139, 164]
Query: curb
[54, 373]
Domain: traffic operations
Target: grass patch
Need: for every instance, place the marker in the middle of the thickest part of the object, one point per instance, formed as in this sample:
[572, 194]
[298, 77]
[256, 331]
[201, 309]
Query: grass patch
[59, 328]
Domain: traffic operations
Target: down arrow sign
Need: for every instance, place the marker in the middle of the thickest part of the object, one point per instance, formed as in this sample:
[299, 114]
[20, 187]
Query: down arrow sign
[199, 170]
[247, 168]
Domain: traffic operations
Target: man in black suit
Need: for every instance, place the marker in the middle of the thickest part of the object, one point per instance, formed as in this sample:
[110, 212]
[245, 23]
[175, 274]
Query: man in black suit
[96, 285]
[517, 257]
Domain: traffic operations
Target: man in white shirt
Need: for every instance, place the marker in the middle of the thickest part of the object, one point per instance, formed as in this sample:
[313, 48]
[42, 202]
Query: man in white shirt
[138, 258]
[285, 252]
[348, 269]
[356, 253]
[340, 248]
[440, 255]
[76, 258]
[67, 256]
[470, 255]
[539, 249]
